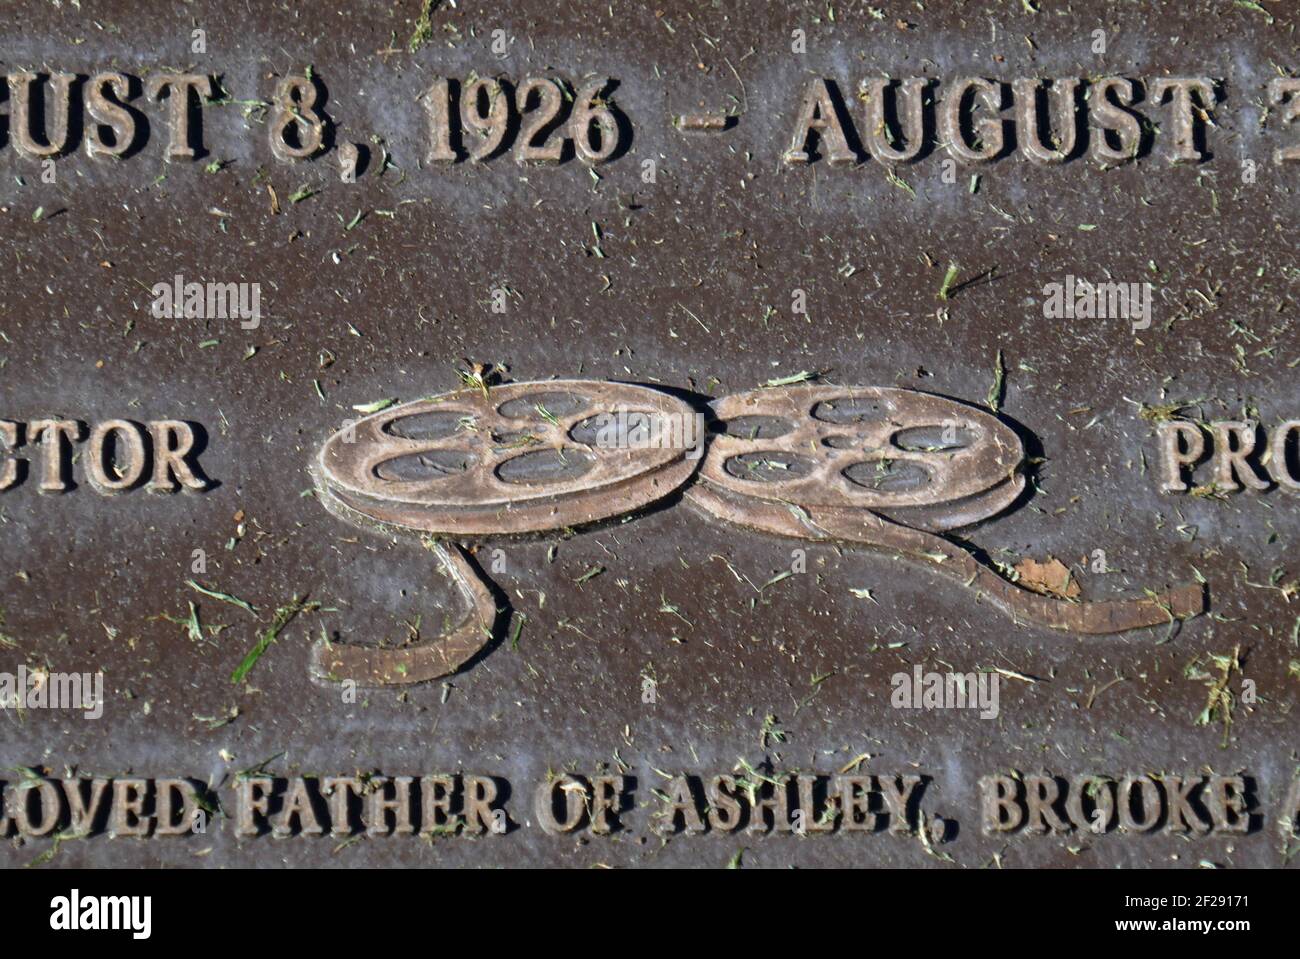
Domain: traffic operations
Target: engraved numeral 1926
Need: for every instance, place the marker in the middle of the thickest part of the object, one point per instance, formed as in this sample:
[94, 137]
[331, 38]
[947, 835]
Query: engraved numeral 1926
[485, 119]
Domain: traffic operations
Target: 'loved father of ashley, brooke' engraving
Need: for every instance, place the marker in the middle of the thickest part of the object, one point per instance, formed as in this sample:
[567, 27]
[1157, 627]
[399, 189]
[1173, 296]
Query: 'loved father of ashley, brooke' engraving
[746, 801]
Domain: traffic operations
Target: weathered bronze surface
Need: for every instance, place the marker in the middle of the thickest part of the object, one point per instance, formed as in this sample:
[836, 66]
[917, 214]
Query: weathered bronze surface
[987, 311]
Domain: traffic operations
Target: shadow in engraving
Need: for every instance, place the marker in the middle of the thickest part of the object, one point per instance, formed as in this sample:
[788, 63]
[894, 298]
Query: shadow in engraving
[475, 125]
[363, 160]
[194, 121]
[192, 457]
[504, 610]
[969, 119]
[39, 108]
[1290, 464]
[893, 132]
[290, 133]
[140, 129]
[1146, 125]
[1047, 131]
[843, 118]
[621, 122]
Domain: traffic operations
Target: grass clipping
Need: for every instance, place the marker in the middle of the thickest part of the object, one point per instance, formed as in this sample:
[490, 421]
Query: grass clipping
[283, 617]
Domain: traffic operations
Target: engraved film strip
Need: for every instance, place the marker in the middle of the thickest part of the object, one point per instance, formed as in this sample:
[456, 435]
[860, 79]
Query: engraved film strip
[885, 468]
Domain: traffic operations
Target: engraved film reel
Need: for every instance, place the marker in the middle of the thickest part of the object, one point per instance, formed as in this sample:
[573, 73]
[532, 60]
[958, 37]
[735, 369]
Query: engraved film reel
[524, 458]
[889, 468]
[515, 459]
[918, 458]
